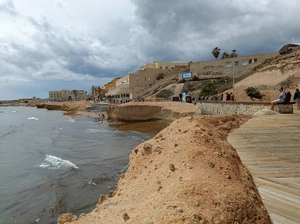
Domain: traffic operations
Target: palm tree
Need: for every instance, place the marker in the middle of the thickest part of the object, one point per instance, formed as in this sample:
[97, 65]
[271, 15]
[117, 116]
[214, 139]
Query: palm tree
[93, 90]
[225, 55]
[233, 54]
[216, 52]
[99, 92]
[75, 92]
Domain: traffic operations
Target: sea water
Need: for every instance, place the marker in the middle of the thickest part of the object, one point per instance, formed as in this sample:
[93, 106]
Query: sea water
[52, 164]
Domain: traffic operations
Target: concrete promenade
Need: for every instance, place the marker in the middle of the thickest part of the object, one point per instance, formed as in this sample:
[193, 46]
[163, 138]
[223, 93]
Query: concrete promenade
[269, 146]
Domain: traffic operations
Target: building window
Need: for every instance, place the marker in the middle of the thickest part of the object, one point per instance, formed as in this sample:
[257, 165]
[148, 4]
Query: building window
[149, 85]
[160, 67]
[228, 64]
[137, 78]
[166, 67]
[148, 78]
[236, 63]
[245, 62]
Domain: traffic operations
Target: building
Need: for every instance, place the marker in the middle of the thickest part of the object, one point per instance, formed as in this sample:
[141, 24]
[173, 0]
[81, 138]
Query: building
[227, 67]
[65, 95]
[134, 84]
[111, 84]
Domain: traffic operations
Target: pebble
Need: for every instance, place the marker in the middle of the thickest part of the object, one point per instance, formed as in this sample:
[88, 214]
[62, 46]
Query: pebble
[211, 164]
[172, 167]
[179, 210]
[125, 216]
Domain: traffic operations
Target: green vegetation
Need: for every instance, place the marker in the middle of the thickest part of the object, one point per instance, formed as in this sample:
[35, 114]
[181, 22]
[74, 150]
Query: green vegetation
[165, 93]
[227, 83]
[182, 81]
[160, 76]
[209, 88]
[216, 52]
[253, 92]
[195, 78]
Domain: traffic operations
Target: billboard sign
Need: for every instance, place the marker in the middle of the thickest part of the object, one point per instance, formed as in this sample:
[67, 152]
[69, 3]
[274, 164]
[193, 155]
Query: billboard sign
[187, 75]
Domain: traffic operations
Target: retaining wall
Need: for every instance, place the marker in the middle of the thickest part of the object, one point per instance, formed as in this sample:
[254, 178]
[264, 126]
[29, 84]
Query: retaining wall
[232, 107]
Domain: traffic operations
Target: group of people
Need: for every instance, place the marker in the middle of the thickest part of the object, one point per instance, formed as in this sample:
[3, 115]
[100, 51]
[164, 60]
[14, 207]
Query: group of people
[282, 96]
[229, 97]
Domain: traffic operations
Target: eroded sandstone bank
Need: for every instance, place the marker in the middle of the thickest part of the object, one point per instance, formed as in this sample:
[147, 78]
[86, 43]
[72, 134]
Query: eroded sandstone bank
[65, 106]
[187, 173]
[141, 111]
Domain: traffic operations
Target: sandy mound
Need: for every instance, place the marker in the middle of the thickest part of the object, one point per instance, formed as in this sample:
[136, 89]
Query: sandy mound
[187, 173]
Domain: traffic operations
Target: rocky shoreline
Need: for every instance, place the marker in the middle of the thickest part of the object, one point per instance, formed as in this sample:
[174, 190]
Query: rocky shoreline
[187, 173]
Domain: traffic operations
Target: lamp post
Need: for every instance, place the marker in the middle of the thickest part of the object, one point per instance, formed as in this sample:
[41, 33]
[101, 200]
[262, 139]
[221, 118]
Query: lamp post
[233, 54]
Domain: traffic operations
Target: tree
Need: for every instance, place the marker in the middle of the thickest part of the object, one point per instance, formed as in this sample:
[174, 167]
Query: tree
[75, 92]
[160, 76]
[253, 92]
[195, 78]
[209, 88]
[99, 92]
[233, 54]
[216, 52]
[93, 90]
[225, 55]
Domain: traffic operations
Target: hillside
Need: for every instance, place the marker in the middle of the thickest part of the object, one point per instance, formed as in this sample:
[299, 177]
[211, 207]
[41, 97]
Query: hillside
[284, 70]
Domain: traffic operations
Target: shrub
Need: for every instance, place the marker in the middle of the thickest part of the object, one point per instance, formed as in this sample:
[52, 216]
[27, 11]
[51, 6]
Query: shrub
[209, 88]
[165, 93]
[253, 92]
[160, 76]
[195, 78]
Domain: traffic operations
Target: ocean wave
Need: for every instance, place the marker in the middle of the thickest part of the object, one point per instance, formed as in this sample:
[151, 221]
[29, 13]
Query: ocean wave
[69, 119]
[95, 131]
[33, 118]
[54, 163]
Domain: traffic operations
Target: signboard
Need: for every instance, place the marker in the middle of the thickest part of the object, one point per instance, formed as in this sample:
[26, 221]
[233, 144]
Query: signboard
[187, 75]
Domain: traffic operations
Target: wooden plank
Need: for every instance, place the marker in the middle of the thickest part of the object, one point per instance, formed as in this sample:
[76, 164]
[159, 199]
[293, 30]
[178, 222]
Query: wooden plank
[269, 146]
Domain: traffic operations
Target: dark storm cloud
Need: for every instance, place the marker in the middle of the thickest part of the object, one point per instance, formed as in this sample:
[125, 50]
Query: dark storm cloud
[195, 27]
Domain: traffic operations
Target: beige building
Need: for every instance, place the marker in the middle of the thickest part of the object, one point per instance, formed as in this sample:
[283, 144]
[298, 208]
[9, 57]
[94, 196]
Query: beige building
[110, 84]
[65, 95]
[228, 67]
[131, 86]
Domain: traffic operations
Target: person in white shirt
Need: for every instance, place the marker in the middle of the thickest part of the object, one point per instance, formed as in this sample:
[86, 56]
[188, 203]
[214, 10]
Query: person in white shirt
[280, 99]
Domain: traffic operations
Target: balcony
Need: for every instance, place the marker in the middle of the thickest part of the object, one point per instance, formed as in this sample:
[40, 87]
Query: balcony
[119, 89]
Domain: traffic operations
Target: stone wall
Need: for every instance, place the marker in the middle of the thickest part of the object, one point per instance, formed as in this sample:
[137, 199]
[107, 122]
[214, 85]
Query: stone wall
[227, 108]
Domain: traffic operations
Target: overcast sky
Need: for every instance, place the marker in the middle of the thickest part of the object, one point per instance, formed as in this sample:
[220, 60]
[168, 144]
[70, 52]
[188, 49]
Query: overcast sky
[74, 44]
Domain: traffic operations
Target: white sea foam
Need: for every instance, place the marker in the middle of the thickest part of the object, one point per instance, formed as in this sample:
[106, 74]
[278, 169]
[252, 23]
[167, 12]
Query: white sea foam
[94, 131]
[70, 119]
[33, 118]
[53, 162]
[13, 111]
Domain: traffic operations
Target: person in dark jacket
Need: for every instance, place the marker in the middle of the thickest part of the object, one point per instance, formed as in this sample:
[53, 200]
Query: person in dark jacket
[297, 99]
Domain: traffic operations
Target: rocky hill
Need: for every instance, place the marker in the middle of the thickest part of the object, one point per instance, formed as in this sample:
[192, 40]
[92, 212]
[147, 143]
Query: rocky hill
[283, 70]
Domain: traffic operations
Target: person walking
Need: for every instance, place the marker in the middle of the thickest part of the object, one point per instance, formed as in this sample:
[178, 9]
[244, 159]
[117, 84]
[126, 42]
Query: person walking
[297, 99]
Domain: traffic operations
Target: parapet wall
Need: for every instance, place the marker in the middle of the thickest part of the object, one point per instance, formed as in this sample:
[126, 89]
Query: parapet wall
[227, 108]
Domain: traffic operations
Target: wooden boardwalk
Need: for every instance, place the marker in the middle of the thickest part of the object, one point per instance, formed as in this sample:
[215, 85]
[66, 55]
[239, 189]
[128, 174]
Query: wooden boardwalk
[269, 146]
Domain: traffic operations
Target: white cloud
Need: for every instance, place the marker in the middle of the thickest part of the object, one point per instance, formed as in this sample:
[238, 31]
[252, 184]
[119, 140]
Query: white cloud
[68, 43]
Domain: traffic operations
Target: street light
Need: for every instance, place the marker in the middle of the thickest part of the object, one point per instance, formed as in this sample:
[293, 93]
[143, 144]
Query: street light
[233, 54]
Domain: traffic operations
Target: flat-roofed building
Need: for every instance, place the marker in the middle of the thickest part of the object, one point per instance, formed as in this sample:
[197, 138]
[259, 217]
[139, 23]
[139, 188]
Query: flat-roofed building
[228, 67]
[133, 84]
[65, 95]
